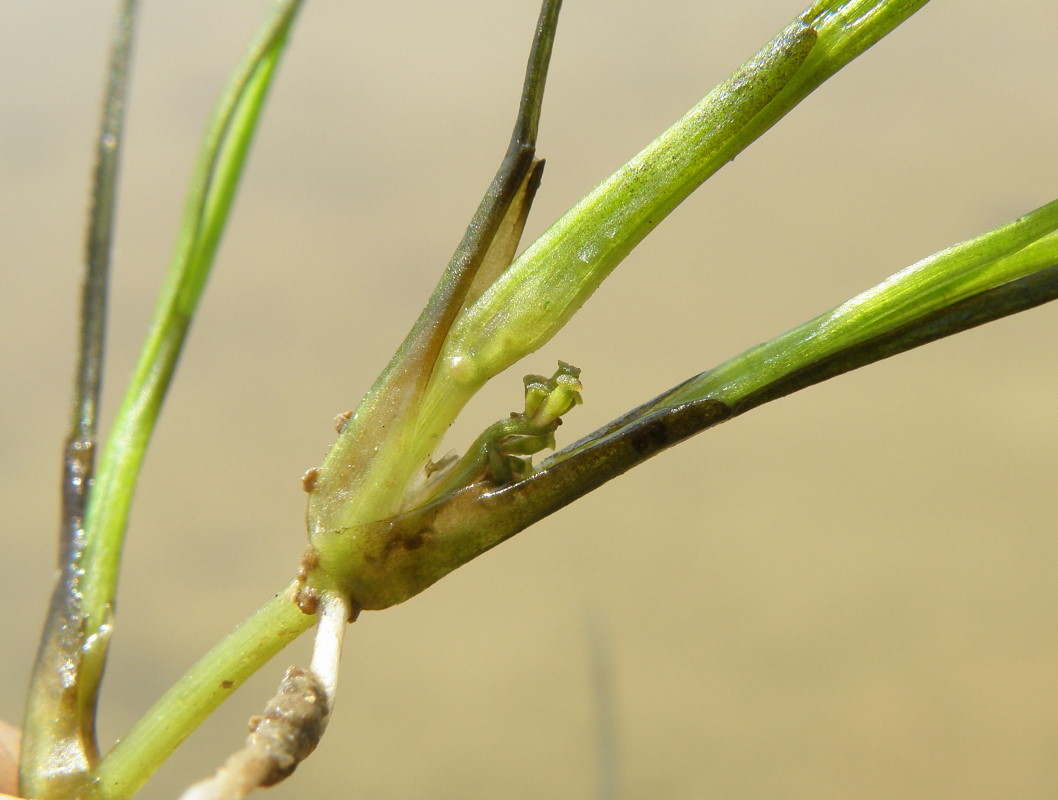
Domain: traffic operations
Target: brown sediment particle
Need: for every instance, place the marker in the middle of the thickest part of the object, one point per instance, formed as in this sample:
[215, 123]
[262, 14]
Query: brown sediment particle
[443, 463]
[292, 725]
[308, 480]
[308, 600]
[280, 738]
[341, 419]
[227, 684]
[310, 559]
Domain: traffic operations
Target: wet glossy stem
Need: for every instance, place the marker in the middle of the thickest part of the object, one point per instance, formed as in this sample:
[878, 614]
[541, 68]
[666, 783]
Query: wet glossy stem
[59, 727]
[210, 199]
[745, 382]
[974, 272]
[196, 695]
[373, 460]
[1002, 272]
[553, 277]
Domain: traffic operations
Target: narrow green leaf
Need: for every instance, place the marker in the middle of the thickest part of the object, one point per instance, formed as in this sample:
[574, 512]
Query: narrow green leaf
[1003, 272]
[504, 245]
[379, 450]
[392, 434]
[552, 279]
[59, 739]
[205, 686]
[557, 273]
[970, 268]
[86, 637]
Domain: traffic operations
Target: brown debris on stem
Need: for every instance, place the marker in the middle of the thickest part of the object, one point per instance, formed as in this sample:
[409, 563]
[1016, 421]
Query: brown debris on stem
[281, 738]
[293, 721]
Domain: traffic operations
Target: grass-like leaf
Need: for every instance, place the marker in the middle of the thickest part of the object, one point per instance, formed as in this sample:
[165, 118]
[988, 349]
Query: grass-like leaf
[381, 447]
[59, 744]
[472, 330]
[1007, 270]
[59, 739]
[212, 191]
[546, 285]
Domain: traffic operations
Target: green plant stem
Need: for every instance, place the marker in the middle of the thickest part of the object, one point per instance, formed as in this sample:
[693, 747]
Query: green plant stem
[367, 469]
[212, 192]
[1006, 254]
[1003, 272]
[491, 334]
[479, 517]
[470, 522]
[530, 301]
[204, 687]
[59, 740]
[550, 281]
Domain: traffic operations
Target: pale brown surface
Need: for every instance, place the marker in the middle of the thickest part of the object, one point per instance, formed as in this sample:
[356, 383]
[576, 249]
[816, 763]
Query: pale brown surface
[849, 593]
[10, 741]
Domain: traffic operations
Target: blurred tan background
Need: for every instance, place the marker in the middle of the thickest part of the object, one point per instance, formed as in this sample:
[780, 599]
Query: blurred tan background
[849, 593]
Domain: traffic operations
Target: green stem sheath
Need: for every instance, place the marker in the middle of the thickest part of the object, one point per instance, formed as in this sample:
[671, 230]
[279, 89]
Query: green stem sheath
[1004, 272]
[530, 301]
[525, 306]
[194, 697]
[541, 290]
[549, 282]
[59, 737]
[212, 192]
[553, 278]
[942, 280]
[367, 469]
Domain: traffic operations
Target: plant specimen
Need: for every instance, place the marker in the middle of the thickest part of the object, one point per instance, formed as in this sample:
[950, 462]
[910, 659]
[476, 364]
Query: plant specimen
[371, 503]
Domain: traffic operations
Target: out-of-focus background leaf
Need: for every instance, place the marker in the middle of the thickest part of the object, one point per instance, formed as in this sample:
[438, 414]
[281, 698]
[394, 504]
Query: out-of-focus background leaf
[847, 593]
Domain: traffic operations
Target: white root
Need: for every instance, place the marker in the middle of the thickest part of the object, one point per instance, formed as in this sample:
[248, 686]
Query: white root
[293, 721]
